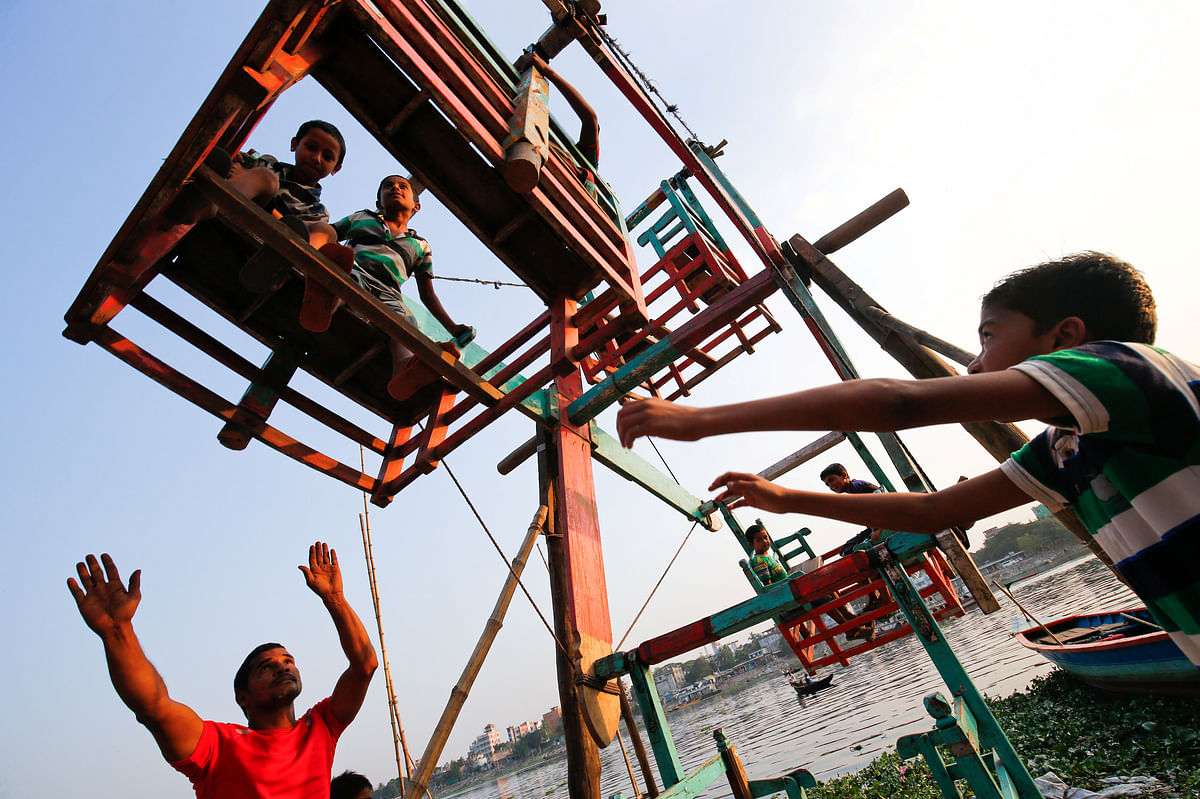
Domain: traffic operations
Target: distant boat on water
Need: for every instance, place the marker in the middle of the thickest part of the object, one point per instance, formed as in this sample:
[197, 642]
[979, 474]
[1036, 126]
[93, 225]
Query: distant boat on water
[1120, 652]
[810, 685]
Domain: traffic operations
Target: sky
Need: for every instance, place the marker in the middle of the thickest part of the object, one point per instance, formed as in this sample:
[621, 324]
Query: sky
[1021, 131]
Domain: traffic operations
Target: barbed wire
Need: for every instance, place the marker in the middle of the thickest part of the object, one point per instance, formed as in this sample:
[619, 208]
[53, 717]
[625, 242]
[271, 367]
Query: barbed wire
[647, 84]
[496, 284]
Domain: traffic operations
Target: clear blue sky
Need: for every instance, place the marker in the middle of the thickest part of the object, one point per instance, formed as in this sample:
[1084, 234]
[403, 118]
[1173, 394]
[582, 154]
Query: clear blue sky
[1021, 131]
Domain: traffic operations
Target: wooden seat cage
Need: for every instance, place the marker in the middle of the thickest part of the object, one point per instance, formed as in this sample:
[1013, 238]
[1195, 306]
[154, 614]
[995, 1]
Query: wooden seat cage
[427, 84]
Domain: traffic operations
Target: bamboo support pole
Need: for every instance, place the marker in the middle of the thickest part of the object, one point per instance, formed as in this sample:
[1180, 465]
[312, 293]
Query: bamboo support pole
[639, 746]
[458, 695]
[403, 760]
[1028, 615]
[637, 792]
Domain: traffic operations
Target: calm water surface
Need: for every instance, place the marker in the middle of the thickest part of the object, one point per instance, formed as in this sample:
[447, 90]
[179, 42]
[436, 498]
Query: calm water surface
[873, 701]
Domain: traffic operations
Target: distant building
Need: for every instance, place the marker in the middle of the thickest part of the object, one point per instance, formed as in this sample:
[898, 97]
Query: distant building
[552, 721]
[484, 746]
[668, 679]
[519, 731]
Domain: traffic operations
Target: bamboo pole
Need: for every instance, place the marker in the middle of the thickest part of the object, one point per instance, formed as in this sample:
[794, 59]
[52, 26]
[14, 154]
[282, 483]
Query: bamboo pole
[639, 747]
[1028, 615]
[458, 695]
[637, 793]
[403, 760]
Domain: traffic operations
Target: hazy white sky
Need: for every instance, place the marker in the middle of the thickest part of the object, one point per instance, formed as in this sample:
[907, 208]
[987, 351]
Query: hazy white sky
[1020, 131]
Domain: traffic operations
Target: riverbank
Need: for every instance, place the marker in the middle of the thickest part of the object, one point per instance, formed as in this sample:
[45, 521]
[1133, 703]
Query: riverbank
[1062, 726]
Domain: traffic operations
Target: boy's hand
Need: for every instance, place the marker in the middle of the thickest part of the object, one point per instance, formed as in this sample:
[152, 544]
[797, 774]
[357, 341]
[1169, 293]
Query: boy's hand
[322, 573]
[755, 491]
[656, 417]
[103, 600]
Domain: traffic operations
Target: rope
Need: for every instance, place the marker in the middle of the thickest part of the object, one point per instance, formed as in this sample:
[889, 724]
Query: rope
[664, 460]
[504, 558]
[496, 284]
[656, 585]
[647, 84]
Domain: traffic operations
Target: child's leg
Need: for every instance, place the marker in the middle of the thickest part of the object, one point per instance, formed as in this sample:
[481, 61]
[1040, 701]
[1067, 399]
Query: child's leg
[410, 373]
[190, 207]
[319, 304]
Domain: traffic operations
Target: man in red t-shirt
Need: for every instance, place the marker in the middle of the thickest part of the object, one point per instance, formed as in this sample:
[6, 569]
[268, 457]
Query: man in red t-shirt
[274, 756]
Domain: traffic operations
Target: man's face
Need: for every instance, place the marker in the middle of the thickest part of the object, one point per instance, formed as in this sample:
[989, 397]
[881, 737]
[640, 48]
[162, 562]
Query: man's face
[837, 482]
[273, 681]
[317, 155]
[1007, 337]
[396, 198]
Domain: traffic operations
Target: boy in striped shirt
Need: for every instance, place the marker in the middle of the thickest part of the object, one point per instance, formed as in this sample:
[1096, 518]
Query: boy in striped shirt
[386, 254]
[1066, 342]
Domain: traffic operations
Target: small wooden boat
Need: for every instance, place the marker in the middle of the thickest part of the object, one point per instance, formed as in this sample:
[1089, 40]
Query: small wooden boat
[808, 685]
[1119, 652]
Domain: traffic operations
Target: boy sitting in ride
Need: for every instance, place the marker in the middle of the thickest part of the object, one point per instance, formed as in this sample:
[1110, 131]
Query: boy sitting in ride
[1067, 342]
[386, 254]
[768, 570]
[292, 192]
[765, 567]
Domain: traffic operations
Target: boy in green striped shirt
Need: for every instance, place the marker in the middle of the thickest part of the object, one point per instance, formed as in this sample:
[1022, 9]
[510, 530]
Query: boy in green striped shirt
[386, 254]
[1066, 342]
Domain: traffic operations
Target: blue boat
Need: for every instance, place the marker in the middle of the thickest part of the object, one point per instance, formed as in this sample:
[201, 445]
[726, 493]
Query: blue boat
[1121, 652]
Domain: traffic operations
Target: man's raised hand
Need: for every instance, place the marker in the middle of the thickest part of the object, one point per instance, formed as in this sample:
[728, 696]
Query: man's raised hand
[656, 417]
[102, 598]
[322, 573]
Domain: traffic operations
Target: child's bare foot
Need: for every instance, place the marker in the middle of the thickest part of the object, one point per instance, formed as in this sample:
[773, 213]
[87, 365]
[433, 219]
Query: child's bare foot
[411, 374]
[316, 310]
[191, 206]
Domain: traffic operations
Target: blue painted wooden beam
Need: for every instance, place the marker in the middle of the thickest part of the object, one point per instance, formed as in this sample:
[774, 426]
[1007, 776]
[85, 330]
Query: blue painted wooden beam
[654, 722]
[694, 784]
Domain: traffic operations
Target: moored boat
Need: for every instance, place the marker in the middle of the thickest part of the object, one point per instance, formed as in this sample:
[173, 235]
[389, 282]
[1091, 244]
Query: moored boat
[1118, 652]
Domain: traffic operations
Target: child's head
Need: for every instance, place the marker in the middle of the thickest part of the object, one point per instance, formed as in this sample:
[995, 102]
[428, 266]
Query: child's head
[836, 477]
[349, 785]
[320, 150]
[1064, 303]
[396, 197]
[758, 538]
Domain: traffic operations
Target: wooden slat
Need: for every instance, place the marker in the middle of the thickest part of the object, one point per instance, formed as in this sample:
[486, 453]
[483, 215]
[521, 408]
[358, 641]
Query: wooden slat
[205, 398]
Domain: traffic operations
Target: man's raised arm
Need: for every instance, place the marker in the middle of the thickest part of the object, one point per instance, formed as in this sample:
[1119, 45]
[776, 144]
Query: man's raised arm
[108, 607]
[325, 579]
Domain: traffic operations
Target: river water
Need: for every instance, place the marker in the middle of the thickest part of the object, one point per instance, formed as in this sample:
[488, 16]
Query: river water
[872, 702]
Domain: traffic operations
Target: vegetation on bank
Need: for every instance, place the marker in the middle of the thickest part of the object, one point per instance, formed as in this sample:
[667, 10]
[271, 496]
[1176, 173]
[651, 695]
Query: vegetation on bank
[1061, 725]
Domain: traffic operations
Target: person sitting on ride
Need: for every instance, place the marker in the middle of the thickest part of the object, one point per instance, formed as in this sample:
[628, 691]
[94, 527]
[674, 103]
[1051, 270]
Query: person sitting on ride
[386, 254]
[768, 570]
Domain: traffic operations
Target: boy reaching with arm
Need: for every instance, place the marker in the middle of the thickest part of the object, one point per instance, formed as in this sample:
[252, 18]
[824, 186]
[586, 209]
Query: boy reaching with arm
[1065, 342]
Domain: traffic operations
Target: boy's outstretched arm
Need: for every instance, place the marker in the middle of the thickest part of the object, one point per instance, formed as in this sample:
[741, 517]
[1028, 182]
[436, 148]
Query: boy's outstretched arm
[324, 577]
[429, 299]
[959, 505]
[873, 405]
[107, 607]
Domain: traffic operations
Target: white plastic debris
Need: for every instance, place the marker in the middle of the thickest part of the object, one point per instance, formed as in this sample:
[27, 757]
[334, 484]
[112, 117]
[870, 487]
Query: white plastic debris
[1052, 787]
